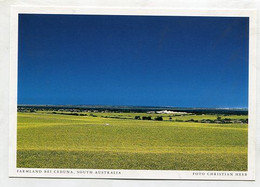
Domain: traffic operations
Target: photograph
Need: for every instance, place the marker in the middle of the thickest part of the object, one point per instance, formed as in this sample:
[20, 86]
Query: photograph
[111, 94]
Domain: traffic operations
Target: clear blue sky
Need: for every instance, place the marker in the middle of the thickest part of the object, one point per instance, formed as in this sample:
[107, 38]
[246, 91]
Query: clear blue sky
[133, 60]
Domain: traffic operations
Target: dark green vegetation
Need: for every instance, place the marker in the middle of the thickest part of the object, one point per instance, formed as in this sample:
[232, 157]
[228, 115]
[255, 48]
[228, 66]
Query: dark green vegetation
[100, 139]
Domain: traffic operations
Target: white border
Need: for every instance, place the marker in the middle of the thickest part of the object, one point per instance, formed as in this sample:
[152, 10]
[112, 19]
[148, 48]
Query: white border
[133, 174]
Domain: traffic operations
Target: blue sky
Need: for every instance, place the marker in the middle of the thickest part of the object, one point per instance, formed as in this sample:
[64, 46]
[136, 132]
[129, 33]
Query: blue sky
[133, 60]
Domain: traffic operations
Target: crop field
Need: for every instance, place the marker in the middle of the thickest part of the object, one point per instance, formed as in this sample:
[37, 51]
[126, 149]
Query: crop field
[46, 139]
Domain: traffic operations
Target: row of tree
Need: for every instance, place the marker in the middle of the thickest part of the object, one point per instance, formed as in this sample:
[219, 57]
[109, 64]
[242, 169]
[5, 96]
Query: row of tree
[158, 118]
[218, 120]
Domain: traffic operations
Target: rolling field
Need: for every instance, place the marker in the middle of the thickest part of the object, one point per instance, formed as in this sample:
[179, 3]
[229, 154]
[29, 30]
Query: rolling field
[46, 140]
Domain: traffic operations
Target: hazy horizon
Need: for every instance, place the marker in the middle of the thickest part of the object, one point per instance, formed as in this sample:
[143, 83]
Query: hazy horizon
[147, 106]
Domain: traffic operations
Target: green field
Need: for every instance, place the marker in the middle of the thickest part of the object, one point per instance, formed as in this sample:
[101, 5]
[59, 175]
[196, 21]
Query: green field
[47, 140]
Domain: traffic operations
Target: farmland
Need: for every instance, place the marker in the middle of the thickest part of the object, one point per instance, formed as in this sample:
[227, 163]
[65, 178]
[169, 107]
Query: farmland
[119, 140]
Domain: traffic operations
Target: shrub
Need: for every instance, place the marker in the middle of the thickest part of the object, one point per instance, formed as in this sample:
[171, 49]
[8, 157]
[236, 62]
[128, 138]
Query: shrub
[137, 117]
[146, 118]
[159, 118]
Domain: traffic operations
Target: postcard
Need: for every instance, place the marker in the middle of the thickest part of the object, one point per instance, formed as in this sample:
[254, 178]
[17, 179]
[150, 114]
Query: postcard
[132, 93]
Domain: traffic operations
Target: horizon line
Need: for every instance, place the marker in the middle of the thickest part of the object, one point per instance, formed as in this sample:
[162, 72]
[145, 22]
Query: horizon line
[146, 106]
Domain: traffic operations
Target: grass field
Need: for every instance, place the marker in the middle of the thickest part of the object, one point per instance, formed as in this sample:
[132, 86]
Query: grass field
[47, 140]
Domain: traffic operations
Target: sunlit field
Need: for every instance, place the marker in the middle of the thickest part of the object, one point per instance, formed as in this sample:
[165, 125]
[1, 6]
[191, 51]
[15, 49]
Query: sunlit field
[48, 139]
